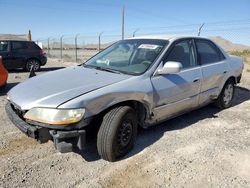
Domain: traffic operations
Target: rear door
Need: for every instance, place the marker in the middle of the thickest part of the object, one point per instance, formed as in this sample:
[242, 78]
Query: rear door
[213, 67]
[19, 53]
[177, 93]
[6, 53]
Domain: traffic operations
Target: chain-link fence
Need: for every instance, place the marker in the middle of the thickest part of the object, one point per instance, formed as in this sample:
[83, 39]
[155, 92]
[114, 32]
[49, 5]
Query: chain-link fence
[232, 36]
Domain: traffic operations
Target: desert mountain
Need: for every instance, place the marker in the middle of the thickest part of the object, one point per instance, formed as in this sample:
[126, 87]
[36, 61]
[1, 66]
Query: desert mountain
[228, 45]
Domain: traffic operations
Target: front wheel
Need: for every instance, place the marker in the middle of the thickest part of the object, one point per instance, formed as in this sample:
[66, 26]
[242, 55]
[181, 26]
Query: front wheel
[117, 133]
[226, 96]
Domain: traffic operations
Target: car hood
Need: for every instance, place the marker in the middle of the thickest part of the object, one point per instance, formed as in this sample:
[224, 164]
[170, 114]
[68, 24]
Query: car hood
[57, 87]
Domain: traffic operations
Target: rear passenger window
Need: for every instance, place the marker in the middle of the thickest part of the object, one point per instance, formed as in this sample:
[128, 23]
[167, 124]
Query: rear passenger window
[208, 52]
[18, 45]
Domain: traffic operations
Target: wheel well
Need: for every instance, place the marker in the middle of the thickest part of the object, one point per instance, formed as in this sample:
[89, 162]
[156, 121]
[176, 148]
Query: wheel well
[234, 79]
[34, 59]
[140, 109]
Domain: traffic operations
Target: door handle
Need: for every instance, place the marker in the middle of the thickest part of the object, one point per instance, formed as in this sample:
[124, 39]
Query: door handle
[196, 80]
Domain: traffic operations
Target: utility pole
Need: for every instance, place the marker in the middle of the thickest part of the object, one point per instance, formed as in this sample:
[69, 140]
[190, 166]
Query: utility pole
[29, 36]
[123, 12]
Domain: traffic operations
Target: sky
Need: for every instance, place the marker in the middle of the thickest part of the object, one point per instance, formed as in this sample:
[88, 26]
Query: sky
[53, 18]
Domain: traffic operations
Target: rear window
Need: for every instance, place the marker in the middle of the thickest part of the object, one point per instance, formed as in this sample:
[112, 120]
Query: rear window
[208, 52]
[32, 45]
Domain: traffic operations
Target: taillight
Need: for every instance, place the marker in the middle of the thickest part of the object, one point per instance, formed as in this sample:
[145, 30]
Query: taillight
[42, 52]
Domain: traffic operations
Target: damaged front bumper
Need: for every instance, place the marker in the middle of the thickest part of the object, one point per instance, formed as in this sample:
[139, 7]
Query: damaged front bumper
[64, 140]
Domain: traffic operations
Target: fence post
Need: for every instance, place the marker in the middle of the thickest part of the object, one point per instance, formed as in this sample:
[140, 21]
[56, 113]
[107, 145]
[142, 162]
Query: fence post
[48, 46]
[99, 41]
[61, 45]
[135, 32]
[76, 44]
[199, 31]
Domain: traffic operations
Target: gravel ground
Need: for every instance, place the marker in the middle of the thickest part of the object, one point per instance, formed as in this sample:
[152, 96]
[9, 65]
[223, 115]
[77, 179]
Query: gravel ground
[204, 148]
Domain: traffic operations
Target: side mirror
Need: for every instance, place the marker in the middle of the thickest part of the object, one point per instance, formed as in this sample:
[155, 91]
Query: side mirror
[170, 67]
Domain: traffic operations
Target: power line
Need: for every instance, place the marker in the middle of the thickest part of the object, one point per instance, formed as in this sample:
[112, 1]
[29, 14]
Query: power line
[82, 10]
[153, 14]
[194, 25]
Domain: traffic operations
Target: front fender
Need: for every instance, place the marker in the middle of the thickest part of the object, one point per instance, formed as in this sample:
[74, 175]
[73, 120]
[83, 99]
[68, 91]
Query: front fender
[103, 98]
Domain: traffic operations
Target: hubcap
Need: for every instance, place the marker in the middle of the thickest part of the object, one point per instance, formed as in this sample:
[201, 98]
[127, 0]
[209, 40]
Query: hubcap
[33, 63]
[125, 133]
[228, 94]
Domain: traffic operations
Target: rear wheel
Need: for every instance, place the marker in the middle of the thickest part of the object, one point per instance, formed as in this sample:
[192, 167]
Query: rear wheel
[117, 133]
[32, 63]
[226, 96]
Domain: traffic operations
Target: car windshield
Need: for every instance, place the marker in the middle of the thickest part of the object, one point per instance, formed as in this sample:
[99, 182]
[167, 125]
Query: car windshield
[128, 56]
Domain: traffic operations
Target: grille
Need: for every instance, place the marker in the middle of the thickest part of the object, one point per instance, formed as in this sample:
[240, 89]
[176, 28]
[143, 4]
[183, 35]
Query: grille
[17, 110]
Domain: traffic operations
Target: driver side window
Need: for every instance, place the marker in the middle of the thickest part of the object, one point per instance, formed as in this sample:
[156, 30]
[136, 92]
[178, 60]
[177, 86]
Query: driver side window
[3, 46]
[183, 52]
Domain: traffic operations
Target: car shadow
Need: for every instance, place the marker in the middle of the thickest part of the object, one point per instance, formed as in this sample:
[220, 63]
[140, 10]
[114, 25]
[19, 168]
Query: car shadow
[149, 136]
[42, 69]
[45, 69]
[4, 90]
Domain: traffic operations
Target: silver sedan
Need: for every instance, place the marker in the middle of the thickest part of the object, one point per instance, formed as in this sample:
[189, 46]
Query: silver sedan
[135, 82]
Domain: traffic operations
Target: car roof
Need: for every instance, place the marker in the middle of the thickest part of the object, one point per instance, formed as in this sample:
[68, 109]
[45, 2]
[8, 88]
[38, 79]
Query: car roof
[166, 37]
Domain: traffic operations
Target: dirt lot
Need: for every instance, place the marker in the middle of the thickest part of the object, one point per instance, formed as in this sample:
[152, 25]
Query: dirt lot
[205, 148]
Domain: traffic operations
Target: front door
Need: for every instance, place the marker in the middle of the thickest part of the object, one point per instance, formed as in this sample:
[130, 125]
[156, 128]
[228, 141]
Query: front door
[6, 54]
[177, 93]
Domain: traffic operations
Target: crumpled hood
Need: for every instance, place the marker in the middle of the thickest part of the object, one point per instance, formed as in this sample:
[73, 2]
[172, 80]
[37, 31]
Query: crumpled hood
[57, 87]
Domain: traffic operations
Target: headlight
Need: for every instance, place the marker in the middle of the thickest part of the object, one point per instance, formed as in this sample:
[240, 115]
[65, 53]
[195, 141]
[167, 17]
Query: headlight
[55, 116]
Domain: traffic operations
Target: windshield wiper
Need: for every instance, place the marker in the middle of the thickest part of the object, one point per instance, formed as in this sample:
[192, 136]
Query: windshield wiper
[103, 69]
[107, 69]
[89, 66]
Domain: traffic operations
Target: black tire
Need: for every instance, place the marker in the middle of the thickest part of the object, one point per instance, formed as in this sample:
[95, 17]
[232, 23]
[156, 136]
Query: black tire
[117, 133]
[32, 62]
[221, 102]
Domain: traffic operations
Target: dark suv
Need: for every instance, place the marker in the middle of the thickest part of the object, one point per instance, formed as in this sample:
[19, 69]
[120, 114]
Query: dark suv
[22, 54]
